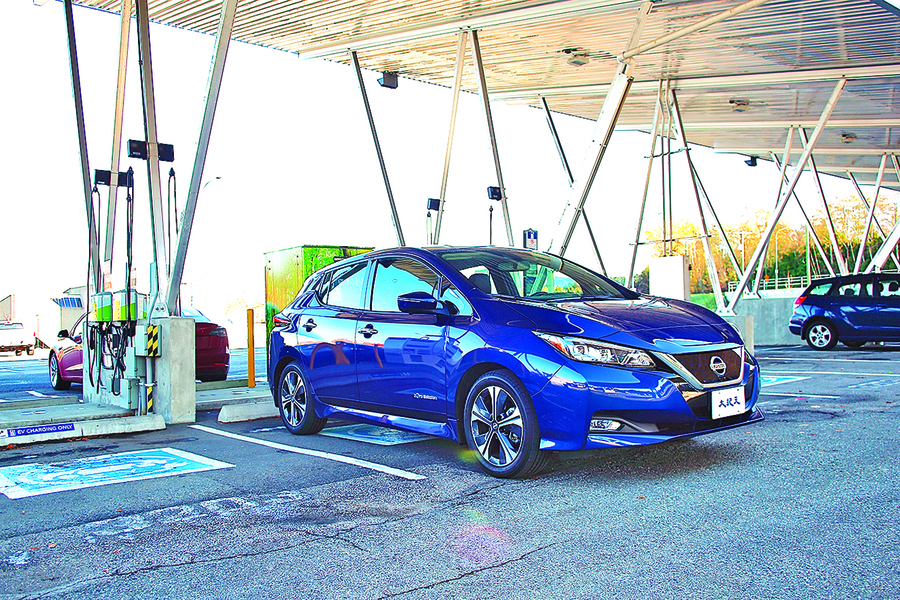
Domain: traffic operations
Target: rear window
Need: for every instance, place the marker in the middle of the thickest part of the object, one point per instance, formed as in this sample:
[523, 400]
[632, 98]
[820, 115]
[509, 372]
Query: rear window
[819, 290]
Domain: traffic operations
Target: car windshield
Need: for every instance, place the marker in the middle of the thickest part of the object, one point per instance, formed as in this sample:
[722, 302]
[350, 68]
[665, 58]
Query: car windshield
[531, 275]
[193, 313]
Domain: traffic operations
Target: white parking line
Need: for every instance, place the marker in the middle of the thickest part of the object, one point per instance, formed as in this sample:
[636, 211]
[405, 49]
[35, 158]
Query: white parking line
[797, 395]
[326, 455]
[833, 373]
[817, 359]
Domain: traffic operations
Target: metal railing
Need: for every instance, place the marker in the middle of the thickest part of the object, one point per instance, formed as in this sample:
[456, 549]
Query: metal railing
[782, 283]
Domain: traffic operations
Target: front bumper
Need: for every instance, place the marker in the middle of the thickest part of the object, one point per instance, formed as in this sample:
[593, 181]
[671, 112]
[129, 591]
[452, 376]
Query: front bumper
[648, 404]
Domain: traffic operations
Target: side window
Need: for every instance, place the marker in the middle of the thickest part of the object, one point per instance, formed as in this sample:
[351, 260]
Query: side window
[857, 288]
[890, 288]
[397, 276]
[345, 288]
[820, 290]
[455, 301]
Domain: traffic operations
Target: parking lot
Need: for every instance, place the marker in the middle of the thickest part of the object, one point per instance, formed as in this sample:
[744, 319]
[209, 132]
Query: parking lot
[802, 505]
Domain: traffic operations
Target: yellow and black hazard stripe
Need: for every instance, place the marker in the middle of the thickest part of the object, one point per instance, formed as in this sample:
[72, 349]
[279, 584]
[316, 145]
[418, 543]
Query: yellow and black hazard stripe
[153, 340]
[149, 399]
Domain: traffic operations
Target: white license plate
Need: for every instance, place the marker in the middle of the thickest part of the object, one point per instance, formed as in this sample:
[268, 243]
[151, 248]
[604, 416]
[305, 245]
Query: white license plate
[728, 402]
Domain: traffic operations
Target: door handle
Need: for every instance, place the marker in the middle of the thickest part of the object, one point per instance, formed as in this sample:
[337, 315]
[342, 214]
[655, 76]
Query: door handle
[368, 331]
[309, 325]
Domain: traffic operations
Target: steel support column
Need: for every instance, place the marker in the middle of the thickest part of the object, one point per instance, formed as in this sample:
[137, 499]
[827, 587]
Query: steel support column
[93, 241]
[570, 177]
[871, 215]
[838, 255]
[878, 226]
[124, 37]
[482, 89]
[707, 247]
[640, 222]
[158, 276]
[809, 225]
[214, 85]
[779, 209]
[890, 241]
[788, 143]
[384, 174]
[609, 114]
[457, 86]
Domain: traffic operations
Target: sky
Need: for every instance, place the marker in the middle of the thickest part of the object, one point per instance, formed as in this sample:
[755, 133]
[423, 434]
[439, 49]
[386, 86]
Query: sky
[291, 162]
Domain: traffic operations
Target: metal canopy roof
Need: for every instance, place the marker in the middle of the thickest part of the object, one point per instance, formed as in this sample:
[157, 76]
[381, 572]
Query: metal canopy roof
[741, 82]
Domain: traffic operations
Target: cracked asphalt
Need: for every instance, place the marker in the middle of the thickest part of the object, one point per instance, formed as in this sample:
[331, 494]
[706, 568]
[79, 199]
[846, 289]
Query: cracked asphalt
[803, 505]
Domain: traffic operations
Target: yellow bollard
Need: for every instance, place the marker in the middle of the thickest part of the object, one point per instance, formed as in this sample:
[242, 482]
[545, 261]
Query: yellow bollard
[251, 367]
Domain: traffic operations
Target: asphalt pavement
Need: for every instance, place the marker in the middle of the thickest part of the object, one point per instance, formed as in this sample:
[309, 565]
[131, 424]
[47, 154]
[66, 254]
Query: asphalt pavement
[802, 505]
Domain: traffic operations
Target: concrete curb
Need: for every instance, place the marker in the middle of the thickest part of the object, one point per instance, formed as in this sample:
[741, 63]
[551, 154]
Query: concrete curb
[92, 428]
[249, 411]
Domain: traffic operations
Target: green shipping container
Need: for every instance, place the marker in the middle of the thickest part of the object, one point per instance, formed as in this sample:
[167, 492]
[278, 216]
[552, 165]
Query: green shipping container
[288, 269]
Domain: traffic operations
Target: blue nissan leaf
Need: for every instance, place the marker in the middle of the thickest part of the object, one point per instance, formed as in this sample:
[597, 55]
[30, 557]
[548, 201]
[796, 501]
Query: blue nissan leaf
[512, 352]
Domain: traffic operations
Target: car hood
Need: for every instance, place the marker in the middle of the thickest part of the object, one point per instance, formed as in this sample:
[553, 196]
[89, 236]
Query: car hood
[654, 323]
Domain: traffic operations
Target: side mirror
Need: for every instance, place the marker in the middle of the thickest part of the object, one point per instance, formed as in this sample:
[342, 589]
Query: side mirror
[63, 333]
[419, 303]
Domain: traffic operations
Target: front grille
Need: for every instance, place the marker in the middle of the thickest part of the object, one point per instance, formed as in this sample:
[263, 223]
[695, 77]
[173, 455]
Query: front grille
[700, 365]
[700, 404]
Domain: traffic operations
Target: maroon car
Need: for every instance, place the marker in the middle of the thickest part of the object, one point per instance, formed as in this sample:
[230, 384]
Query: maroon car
[213, 357]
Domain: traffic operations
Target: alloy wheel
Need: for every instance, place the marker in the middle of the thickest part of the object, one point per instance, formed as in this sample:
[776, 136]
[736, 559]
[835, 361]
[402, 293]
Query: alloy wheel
[293, 397]
[496, 425]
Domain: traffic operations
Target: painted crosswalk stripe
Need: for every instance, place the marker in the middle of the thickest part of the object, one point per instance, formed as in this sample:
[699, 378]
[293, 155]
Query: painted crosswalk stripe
[316, 453]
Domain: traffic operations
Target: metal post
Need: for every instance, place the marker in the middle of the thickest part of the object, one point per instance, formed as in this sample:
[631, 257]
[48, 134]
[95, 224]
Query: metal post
[788, 143]
[157, 225]
[214, 85]
[865, 235]
[731, 255]
[571, 178]
[457, 86]
[637, 231]
[707, 247]
[124, 37]
[609, 114]
[878, 226]
[838, 255]
[809, 225]
[891, 240]
[93, 243]
[776, 215]
[251, 357]
[384, 174]
[482, 89]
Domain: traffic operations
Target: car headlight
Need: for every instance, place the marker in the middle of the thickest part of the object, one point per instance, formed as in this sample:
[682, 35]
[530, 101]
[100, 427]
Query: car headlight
[592, 351]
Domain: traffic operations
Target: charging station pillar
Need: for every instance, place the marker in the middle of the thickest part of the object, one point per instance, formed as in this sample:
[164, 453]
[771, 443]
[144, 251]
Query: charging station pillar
[175, 370]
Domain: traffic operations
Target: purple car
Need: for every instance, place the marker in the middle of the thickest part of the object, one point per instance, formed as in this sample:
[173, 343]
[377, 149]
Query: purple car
[212, 354]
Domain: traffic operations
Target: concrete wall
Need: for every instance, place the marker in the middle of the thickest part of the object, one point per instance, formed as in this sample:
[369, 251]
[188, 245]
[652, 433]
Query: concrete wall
[770, 320]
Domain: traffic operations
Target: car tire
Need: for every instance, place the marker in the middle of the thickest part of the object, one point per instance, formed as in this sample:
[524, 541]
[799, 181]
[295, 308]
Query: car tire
[18, 353]
[854, 344]
[821, 335]
[295, 403]
[30, 352]
[55, 379]
[501, 426]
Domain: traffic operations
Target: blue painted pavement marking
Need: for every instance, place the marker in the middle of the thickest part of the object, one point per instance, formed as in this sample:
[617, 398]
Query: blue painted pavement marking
[372, 434]
[22, 481]
[767, 380]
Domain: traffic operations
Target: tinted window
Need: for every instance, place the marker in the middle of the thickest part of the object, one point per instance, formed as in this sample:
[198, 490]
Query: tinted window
[11, 326]
[856, 288]
[345, 288]
[523, 274]
[819, 290]
[890, 288]
[398, 276]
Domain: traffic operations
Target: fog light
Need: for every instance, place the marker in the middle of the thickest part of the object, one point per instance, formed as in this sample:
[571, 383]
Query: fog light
[605, 425]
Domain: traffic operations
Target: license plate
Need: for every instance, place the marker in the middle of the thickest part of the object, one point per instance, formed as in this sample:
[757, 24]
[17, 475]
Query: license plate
[728, 402]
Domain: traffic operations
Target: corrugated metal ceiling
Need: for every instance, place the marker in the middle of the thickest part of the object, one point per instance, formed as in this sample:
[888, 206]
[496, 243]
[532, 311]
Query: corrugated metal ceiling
[778, 62]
